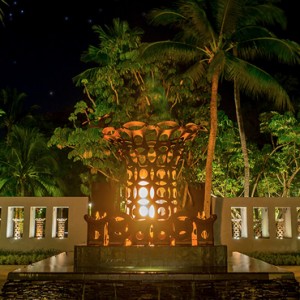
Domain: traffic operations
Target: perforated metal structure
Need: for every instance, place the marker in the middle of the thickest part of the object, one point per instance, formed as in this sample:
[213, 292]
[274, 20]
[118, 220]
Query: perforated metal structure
[152, 154]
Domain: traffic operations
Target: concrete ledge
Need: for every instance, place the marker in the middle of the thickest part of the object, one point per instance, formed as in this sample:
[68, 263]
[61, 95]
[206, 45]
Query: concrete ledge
[97, 257]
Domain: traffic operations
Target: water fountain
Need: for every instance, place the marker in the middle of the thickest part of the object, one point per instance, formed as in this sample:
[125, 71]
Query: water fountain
[152, 231]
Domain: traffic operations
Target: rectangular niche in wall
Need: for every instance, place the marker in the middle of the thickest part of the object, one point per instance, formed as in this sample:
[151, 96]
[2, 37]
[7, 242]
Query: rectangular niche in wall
[260, 222]
[60, 222]
[283, 222]
[15, 222]
[239, 222]
[37, 222]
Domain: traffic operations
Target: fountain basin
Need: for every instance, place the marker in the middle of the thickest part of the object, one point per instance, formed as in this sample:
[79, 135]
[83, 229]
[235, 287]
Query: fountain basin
[94, 258]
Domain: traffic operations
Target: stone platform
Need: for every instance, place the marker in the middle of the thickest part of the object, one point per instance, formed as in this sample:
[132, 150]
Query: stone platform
[164, 258]
[244, 278]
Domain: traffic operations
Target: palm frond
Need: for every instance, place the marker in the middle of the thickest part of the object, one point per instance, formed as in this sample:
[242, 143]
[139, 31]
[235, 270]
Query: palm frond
[197, 26]
[28, 161]
[94, 54]
[227, 14]
[246, 33]
[270, 47]
[264, 14]
[44, 187]
[3, 182]
[255, 82]
[87, 74]
[1, 11]
[196, 72]
[190, 17]
[174, 50]
[165, 17]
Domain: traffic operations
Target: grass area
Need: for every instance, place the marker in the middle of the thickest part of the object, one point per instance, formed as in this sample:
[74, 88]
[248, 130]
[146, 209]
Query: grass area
[10, 257]
[277, 258]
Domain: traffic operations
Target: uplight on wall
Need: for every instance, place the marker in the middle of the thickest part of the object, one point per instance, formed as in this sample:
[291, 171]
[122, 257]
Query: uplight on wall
[15, 224]
[60, 222]
[261, 222]
[37, 222]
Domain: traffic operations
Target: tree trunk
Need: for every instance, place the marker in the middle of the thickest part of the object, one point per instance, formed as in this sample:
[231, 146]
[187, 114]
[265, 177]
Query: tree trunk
[240, 122]
[211, 143]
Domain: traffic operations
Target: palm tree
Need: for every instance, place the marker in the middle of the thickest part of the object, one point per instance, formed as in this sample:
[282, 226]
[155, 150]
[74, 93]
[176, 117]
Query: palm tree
[13, 110]
[210, 32]
[115, 78]
[27, 167]
[257, 13]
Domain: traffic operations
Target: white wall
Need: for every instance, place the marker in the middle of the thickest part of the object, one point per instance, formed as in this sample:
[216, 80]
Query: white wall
[77, 228]
[248, 243]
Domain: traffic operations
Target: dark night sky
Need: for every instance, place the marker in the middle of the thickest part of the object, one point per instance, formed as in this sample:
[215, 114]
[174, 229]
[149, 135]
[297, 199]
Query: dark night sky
[42, 40]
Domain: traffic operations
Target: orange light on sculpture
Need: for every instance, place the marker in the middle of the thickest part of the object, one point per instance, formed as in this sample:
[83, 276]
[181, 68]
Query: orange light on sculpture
[151, 212]
[152, 153]
[143, 192]
[143, 211]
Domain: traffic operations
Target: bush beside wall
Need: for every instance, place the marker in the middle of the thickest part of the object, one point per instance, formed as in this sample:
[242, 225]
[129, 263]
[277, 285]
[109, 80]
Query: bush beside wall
[277, 259]
[8, 257]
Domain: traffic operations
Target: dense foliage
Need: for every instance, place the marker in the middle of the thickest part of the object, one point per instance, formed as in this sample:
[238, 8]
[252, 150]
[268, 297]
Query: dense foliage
[277, 258]
[120, 88]
[174, 81]
[28, 167]
[13, 257]
[122, 85]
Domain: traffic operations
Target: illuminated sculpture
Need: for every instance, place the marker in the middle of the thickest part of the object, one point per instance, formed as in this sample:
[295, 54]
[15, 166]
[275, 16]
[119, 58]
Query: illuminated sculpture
[152, 217]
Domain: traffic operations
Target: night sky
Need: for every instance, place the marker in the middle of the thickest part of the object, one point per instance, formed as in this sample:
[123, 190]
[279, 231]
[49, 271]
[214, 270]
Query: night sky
[41, 42]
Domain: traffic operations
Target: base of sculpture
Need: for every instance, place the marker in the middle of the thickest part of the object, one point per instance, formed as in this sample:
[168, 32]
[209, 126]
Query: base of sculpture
[94, 258]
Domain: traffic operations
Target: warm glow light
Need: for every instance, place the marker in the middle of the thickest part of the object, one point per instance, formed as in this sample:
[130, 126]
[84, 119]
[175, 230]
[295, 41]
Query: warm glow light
[152, 192]
[143, 173]
[143, 192]
[143, 201]
[143, 211]
[143, 182]
[151, 211]
[162, 211]
[161, 201]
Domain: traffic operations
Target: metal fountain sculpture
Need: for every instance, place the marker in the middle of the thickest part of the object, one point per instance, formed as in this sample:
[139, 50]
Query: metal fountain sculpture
[152, 214]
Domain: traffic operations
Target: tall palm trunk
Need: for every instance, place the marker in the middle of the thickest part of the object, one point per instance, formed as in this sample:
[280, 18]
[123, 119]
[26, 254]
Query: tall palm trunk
[240, 122]
[22, 189]
[211, 143]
